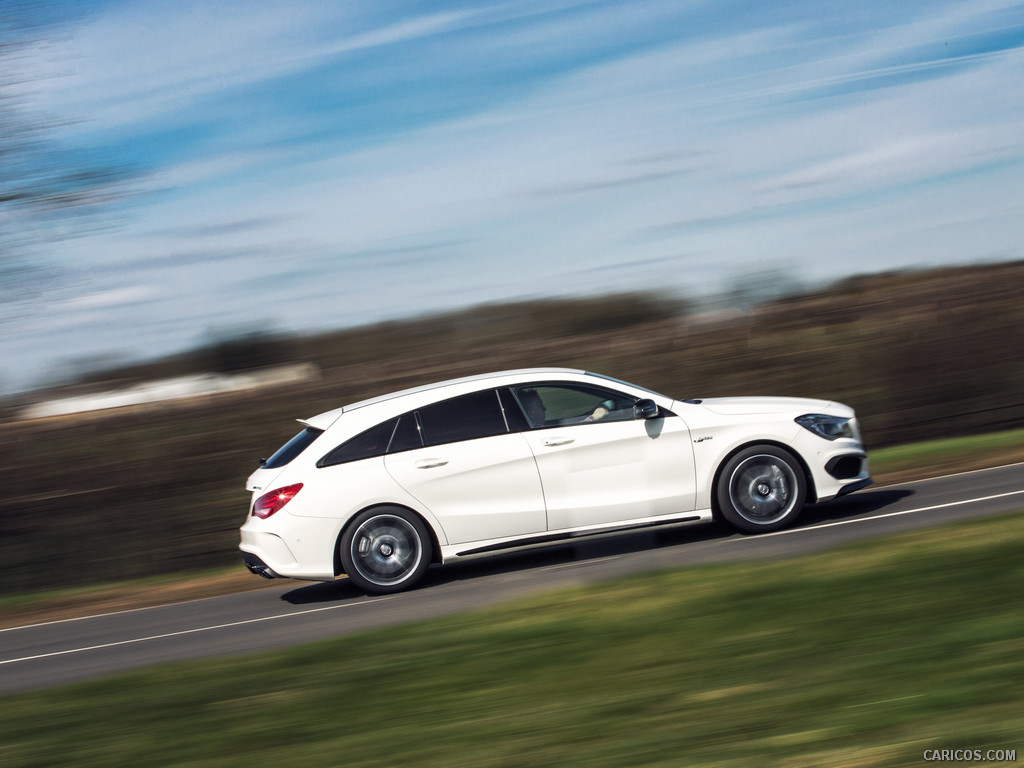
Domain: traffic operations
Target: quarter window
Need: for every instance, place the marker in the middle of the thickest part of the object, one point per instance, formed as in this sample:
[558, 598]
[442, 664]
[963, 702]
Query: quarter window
[372, 442]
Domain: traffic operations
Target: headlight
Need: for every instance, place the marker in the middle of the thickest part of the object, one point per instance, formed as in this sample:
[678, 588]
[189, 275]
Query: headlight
[829, 427]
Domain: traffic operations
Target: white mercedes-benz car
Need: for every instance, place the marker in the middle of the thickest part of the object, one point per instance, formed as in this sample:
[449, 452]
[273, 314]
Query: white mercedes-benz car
[380, 489]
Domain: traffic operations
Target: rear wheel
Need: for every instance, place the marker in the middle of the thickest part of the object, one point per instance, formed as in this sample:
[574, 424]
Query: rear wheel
[761, 488]
[385, 550]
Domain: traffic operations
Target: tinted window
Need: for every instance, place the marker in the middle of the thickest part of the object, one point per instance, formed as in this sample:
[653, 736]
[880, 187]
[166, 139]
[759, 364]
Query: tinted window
[513, 413]
[292, 448]
[372, 442]
[462, 418]
[552, 405]
[407, 435]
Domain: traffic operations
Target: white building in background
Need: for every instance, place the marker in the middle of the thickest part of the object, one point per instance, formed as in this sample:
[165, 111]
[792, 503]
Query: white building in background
[178, 388]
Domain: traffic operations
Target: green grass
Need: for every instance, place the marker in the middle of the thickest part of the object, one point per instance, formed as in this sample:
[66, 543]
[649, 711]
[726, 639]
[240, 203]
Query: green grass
[935, 456]
[861, 656]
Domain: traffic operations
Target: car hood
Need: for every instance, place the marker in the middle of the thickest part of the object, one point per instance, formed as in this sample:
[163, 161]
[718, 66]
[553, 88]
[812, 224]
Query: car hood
[753, 406]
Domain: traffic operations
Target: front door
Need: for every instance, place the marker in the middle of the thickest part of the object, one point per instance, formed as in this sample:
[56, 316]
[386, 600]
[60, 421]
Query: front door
[599, 463]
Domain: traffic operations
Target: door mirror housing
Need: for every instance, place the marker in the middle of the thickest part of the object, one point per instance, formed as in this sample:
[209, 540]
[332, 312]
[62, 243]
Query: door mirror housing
[646, 409]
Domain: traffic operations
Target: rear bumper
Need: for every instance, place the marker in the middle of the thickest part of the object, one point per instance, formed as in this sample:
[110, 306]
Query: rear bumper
[266, 553]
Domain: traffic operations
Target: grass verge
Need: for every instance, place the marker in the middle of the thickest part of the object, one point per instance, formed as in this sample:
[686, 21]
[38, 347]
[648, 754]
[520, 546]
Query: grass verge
[954, 454]
[865, 655]
[76, 602]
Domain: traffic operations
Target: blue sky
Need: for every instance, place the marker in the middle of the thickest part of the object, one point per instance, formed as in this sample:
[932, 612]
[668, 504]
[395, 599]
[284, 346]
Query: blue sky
[311, 165]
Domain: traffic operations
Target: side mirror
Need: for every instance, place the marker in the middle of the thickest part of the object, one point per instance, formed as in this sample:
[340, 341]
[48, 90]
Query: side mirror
[645, 409]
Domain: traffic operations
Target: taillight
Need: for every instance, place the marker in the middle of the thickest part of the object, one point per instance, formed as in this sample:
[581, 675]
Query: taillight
[271, 502]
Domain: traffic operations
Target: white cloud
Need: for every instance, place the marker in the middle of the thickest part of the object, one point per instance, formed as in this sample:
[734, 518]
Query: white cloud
[147, 61]
[116, 297]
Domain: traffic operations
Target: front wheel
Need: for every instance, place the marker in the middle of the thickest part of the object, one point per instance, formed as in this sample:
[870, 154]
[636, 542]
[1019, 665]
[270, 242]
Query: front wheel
[385, 550]
[760, 489]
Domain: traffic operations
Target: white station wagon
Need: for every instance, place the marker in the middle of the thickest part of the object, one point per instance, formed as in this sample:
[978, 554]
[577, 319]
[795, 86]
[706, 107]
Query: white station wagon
[380, 489]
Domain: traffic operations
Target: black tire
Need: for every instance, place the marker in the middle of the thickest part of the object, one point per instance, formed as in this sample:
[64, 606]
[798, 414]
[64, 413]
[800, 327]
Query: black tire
[761, 489]
[385, 550]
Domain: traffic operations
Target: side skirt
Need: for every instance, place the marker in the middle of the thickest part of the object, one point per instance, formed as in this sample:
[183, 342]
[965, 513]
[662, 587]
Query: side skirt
[551, 538]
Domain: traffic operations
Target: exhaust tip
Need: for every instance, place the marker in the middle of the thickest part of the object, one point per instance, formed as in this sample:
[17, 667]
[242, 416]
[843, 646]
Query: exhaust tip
[257, 566]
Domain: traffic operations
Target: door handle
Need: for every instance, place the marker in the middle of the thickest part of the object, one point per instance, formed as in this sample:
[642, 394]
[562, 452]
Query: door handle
[430, 463]
[559, 441]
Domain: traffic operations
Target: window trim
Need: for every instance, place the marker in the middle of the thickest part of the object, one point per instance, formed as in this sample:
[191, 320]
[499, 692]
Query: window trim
[501, 407]
[506, 393]
[419, 433]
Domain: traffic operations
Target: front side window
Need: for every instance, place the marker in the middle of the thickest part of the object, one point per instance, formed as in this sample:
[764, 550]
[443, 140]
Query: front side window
[555, 405]
[462, 418]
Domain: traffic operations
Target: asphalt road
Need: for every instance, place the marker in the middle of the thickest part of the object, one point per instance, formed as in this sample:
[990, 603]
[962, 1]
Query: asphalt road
[61, 652]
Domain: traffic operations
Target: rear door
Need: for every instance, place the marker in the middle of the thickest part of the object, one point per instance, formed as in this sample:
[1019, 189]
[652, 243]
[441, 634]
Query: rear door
[459, 460]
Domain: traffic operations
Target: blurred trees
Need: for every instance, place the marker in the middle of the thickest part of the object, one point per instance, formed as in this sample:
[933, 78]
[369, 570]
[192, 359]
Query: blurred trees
[234, 352]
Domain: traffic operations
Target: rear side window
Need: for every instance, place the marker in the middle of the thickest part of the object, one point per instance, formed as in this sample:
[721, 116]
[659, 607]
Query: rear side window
[407, 435]
[462, 418]
[372, 442]
[293, 448]
[513, 413]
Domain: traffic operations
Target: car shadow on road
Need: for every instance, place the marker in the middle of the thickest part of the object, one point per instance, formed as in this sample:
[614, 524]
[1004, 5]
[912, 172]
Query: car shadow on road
[860, 503]
[323, 592]
[612, 545]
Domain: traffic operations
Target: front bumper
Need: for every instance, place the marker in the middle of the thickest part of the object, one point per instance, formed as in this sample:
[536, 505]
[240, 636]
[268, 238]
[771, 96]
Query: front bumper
[842, 474]
[836, 469]
[855, 486]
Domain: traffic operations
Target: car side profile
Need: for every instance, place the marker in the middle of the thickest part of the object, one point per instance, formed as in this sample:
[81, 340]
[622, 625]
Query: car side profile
[381, 489]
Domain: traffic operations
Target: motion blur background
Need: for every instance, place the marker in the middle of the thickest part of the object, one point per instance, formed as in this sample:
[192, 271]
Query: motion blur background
[797, 198]
[176, 173]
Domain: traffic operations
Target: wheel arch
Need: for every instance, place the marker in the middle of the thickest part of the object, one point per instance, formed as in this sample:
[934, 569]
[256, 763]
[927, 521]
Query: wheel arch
[435, 544]
[812, 493]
